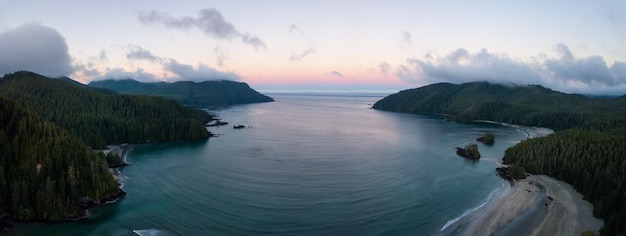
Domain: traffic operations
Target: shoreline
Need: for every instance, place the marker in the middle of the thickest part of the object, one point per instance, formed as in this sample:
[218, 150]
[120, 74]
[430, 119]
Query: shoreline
[537, 205]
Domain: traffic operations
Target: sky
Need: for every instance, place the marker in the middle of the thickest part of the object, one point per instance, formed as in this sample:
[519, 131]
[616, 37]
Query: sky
[277, 45]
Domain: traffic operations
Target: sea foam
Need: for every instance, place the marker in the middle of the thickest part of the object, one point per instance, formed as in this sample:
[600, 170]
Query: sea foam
[472, 210]
[149, 232]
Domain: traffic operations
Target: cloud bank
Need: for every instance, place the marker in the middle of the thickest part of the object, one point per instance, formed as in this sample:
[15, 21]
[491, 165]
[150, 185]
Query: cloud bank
[35, 48]
[209, 21]
[200, 73]
[172, 69]
[566, 73]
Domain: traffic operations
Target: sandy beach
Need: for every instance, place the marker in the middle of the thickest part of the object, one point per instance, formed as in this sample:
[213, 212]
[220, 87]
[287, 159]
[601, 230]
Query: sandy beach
[537, 205]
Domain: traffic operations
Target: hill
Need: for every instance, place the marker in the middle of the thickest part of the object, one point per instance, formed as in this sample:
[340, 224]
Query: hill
[79, 84]
[202, 94]
[524, 105]
[45, 172]
[99, 119]
[587, 151]
[126, 86]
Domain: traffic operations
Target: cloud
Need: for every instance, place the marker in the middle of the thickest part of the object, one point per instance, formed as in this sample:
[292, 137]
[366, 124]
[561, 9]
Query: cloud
[136, 52]
[120, 73]
[200, 73]
[35, 48]
[221, 55]
[210, 21]
[298, 57]
[294, 29]
[103, 56]
[336, 73]
[565, 73]
[407, 39]
[384, 67]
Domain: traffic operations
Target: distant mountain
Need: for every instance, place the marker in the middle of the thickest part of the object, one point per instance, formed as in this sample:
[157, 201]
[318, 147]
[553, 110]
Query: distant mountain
[79, 84]
[202, 94]
[127, 86]
[525, 105]
[99, 119]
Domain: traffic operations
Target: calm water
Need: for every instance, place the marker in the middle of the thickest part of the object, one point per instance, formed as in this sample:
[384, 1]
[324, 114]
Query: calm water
[308, 165]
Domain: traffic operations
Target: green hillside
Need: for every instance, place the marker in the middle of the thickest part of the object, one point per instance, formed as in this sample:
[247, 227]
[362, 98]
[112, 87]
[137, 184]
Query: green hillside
[45, 172]
[587, 150]
[202, 94]
[126, 86]
[78, 84]
[524, 105]
[99, 119]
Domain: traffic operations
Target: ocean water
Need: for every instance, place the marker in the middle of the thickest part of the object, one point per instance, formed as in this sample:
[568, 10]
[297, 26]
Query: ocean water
[304, 165]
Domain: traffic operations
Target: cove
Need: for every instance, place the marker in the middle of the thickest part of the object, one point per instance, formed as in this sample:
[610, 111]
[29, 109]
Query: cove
[304, 165]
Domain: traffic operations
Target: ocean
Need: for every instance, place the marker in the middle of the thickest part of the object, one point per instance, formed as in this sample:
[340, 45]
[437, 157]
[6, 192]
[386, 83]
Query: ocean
[304, 165]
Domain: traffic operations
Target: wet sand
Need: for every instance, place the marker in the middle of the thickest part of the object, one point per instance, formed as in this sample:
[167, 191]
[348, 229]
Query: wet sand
[525, 209]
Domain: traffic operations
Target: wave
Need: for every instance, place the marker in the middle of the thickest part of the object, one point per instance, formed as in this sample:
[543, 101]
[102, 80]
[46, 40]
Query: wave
[149, 232]
[472, 210]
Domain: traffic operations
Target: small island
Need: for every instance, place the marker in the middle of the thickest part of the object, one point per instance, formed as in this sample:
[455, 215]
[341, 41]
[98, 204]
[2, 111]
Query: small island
[488, 139]
[470, 152]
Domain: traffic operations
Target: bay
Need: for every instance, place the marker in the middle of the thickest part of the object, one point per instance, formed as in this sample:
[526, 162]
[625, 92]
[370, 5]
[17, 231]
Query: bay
[304, 165]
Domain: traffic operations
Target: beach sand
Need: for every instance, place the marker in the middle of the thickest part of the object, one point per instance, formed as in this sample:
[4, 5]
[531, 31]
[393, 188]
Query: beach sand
[525, 209]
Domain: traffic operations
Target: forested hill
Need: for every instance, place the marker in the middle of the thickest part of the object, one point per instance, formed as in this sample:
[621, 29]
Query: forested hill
[79, 84]
[44, 171]
[587, 151]
[99, 119]
[524, 105]
[202, 94]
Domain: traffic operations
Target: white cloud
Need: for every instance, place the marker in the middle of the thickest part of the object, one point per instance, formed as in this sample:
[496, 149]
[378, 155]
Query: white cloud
[566, 73]
[34, 47]
[200, 73]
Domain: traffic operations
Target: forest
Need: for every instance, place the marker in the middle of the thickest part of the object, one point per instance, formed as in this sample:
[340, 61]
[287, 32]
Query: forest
[49, 129]
[99, 119]
[588, 149]
[45, 172]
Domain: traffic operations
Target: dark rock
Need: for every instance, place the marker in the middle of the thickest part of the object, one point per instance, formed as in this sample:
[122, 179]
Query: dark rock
[217, 123]
[470, 151]
[503, 172]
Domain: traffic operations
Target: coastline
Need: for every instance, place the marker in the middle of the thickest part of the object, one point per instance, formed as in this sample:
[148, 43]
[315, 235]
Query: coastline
[537, 205]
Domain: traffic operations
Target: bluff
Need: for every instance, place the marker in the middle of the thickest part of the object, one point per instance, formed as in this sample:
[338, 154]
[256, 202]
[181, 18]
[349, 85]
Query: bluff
[203, 94]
